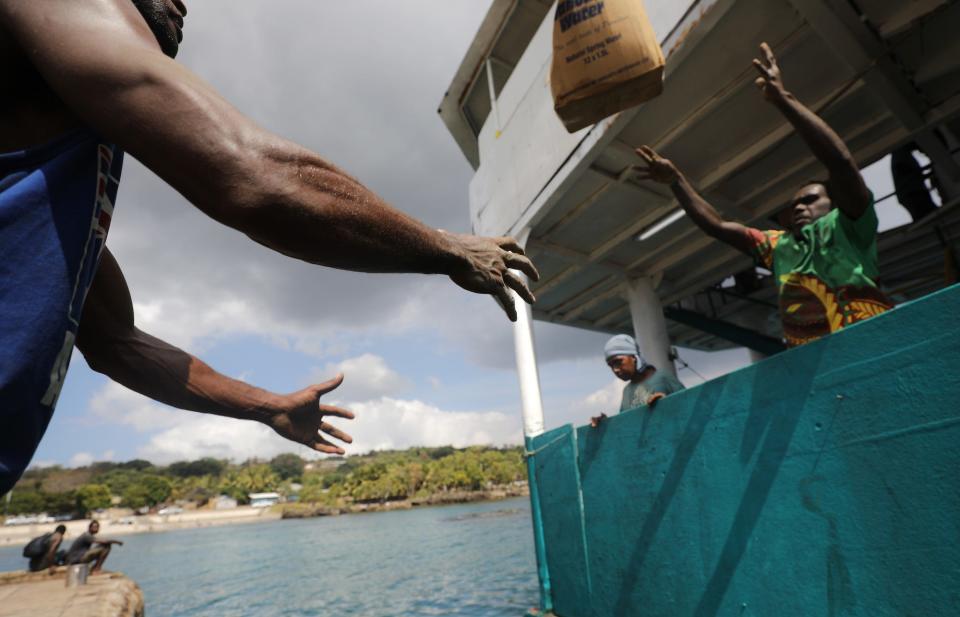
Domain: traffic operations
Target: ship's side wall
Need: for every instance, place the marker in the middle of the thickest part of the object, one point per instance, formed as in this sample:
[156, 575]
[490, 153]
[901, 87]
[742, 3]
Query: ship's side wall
[823, 481]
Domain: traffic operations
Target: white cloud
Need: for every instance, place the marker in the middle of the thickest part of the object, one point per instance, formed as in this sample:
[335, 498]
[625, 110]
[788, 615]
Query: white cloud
[115, 404]
[198, 435]
[389, 423]
[81, 459]
[43, 463]
[365, 377]
[605, 400]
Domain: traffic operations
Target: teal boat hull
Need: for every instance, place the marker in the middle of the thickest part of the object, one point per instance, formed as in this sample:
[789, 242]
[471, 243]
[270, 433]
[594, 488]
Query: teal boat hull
[821, 481]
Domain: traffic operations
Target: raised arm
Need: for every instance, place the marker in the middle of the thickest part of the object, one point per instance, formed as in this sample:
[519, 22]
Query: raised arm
[697, 208]
[112, 345]
[848, 190]
[102, 60]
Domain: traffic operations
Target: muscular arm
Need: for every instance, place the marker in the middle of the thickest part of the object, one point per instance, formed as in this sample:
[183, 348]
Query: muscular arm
[697, 208]
[101, 59]
[114, 346]
[847, 188]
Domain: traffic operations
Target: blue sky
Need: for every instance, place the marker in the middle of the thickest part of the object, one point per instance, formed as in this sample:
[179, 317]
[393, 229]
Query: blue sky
[425, 363]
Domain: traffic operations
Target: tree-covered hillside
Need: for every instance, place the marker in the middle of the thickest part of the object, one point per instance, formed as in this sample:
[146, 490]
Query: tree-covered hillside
[377, 476]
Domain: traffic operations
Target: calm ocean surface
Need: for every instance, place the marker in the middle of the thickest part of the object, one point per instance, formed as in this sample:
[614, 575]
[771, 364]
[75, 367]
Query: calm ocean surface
[472, 560]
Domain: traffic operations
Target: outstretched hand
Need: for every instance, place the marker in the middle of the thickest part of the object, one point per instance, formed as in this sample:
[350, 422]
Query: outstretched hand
[770, 81]
[487, 266]
[596, 420]
[300, 418]
[657, 168]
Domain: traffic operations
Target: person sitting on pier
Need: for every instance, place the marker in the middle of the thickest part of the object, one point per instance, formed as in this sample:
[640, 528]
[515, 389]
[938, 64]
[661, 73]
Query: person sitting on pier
[42, 550]
[90, 549]
[825, 264]
[645, 384]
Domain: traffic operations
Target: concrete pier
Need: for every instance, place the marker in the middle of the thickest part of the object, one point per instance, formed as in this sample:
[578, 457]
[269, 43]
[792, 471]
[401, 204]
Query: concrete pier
[45, 594]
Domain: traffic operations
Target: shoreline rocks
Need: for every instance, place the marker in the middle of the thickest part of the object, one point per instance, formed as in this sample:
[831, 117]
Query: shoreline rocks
[305, 510]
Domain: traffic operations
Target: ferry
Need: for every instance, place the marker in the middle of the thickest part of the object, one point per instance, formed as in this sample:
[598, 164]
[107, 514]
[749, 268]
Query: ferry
[820, 480]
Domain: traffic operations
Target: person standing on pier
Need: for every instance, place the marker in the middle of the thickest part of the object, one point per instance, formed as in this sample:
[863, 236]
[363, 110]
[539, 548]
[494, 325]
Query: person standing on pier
[825, 263]
[86, 81]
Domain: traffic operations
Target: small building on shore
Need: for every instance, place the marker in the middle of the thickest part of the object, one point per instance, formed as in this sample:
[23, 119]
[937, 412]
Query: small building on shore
[264, 500]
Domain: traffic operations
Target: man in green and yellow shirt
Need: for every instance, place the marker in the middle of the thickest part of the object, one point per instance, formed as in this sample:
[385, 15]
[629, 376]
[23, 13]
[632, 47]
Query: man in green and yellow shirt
[825, 263]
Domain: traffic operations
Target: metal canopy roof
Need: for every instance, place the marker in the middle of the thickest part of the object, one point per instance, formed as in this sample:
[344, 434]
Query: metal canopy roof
[881, 72]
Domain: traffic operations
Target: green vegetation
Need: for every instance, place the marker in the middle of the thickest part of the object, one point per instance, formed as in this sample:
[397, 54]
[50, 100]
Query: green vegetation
[374, 477]
[90, 497]
[147, 491]
[413, 473]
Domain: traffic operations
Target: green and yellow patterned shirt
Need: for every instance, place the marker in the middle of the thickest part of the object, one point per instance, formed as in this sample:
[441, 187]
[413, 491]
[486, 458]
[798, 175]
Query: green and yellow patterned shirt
[827, 279]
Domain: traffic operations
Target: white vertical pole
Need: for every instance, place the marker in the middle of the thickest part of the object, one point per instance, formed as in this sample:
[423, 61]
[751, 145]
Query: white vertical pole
[531, 402]
[649, 325]
[532, 410]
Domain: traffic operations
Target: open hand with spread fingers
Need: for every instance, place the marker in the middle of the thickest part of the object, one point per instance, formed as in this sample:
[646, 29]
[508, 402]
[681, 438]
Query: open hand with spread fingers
[300, 418]
[486, 268]
[770, 81]
[657, 168]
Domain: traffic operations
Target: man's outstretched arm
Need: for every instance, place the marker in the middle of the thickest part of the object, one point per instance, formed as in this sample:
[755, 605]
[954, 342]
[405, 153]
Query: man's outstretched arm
[847, 188]
[112, 345]
[697, 208]
[101, 59]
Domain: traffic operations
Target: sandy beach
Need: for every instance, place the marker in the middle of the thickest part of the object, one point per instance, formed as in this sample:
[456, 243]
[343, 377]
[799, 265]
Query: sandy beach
[21, 534]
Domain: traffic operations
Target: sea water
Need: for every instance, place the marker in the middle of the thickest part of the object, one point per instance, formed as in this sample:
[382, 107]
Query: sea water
[474, 560]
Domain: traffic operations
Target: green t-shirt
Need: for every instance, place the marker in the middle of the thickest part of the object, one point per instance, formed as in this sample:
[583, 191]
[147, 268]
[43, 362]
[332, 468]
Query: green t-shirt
[637, 394]
[827, 280]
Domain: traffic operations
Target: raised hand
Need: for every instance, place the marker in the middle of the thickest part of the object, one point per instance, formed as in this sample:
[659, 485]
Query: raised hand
[657, 168]
[487, 266]
[770, 81]
[300, 418]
